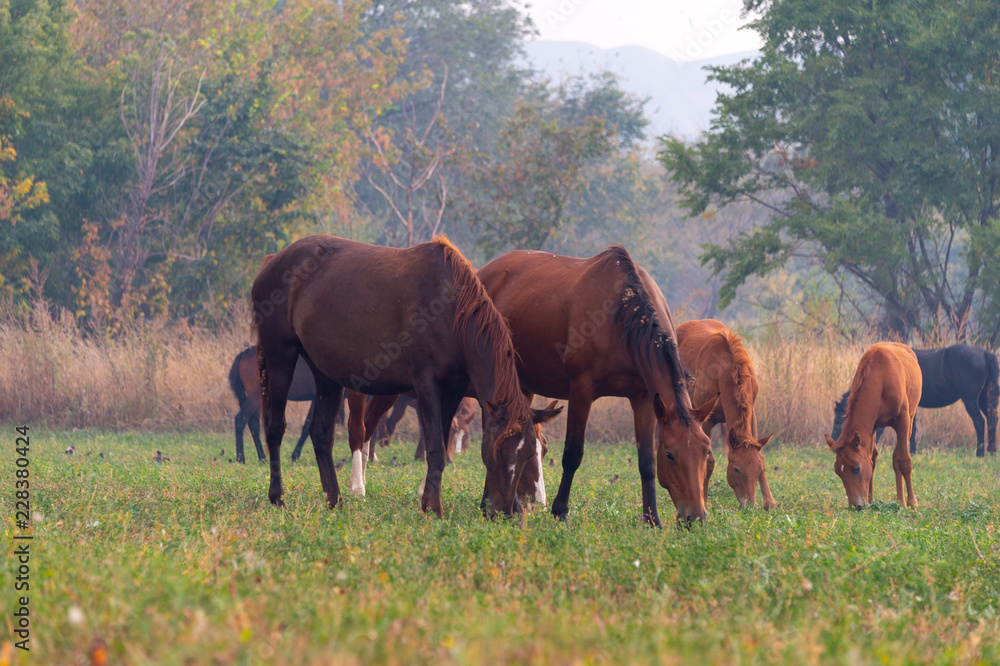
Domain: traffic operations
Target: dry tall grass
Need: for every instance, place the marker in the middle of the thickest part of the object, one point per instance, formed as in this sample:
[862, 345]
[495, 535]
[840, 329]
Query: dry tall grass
[165, 378]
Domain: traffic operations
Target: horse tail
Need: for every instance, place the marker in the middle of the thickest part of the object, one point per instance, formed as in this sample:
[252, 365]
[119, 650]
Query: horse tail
[647, 341]
[235, 381]
[992, 397]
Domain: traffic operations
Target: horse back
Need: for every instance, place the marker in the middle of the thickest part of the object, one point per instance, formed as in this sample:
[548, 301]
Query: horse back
[358, 310]
[887, 384]
[951, 374]
[561, 314]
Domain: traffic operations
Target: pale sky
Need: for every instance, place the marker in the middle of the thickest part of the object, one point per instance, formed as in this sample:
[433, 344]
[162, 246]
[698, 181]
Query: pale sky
[679, 29]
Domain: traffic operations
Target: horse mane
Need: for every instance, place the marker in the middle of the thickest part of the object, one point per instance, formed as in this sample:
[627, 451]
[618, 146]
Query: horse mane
[474, 308]
[859, 379]
[742, 371]
[644, 336]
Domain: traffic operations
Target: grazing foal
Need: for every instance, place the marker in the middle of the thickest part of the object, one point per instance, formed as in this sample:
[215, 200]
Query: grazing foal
[721, 366]
[885, 392]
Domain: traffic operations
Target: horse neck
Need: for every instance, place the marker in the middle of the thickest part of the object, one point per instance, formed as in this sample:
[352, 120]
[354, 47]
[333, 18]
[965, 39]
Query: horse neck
[860, 413]
[483, 373]
[740, 418]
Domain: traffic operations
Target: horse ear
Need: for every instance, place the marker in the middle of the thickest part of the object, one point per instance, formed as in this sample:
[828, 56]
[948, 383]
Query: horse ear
[734, 442]
[856, 440]
[539, 416]
[831, 443]
[762, 442]
[661, 411]
[702, 413]
[490, 409]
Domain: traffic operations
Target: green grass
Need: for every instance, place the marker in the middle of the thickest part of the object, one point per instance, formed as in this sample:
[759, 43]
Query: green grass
[186, 562]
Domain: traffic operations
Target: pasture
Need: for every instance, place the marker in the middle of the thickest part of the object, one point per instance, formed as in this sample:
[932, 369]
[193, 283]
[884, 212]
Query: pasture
[186, 562]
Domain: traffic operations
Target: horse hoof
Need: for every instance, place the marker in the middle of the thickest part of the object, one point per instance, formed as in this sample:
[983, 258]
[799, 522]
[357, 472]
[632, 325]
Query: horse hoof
[278, 502]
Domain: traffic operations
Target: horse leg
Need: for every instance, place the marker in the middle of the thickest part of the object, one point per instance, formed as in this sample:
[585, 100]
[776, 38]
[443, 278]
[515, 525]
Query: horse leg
[305, 431]
[329, 397]
[375, 409]
[991, 418]
[449, 407]
[972, 407]
[645, 424]
[913, 435]
[707, 426]
[901, 463]
[871, 481]
[240, 424]
[421, 452]
[253, 423]
[356, 439]
[278, 367]
[765, 491]
[580, 400]
[429, 410]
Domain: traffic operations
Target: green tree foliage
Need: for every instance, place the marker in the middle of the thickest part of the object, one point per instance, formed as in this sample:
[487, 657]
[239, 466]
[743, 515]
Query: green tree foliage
[870, 132]
[32, 47]
[462, 63]
[566, 171]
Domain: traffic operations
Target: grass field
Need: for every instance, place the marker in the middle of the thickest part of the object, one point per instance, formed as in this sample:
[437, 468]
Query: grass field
[186, 562]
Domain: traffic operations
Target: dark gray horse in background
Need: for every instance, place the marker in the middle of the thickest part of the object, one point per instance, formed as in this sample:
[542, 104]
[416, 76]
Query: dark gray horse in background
[959, 372]
[244, 381]
[245, 384]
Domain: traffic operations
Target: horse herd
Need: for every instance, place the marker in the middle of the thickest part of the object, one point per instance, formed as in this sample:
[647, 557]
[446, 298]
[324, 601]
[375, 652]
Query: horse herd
[332, 314]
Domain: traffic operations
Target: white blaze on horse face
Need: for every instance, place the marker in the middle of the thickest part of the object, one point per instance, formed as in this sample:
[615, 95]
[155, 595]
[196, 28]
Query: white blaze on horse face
[458, 441]
[540, 485]
[357, 474]
[517, 453]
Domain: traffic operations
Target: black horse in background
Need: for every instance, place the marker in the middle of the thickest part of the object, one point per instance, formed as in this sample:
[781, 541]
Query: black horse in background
[959, 372]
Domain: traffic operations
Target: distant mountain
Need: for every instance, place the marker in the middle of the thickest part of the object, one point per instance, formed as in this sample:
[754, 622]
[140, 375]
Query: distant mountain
[681, 98]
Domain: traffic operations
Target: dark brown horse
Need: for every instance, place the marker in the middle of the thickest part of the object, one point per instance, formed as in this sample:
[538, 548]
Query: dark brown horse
[885, 392]
[586, 328]
[721, 366]
[387, 321]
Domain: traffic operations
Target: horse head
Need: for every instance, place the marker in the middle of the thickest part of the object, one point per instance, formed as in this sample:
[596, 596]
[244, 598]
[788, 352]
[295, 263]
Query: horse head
[745, 467]
[682, 451]
[511, 448]
[854, 466]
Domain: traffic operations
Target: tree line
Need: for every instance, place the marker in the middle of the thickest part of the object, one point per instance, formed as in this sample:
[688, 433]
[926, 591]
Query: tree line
[151, 153]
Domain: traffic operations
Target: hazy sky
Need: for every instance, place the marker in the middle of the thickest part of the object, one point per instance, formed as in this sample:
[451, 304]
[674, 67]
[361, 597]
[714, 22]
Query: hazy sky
[679, 29]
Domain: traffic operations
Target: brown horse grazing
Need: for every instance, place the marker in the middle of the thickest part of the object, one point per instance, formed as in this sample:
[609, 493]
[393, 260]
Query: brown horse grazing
[244, 380]
[721, 366]
[387, 321]
[885, 392]
[531, 485]
[586, 328]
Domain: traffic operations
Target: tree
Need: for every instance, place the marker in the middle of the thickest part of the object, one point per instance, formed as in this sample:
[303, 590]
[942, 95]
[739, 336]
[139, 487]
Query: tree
[32, 45]
[869, 132]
